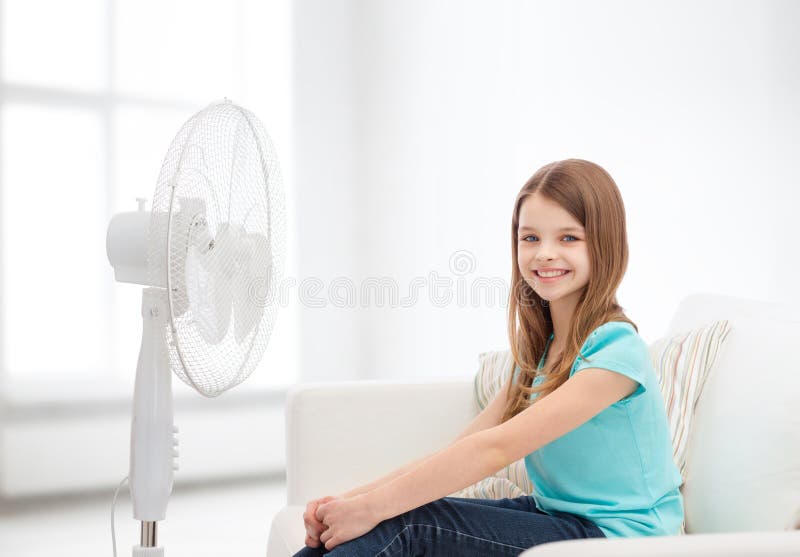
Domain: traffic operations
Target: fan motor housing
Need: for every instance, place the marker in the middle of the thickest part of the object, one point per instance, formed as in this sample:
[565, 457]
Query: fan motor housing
[126, 247]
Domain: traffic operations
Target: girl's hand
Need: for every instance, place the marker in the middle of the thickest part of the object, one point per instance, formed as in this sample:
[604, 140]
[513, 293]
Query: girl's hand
[313, 526]
[346, 519]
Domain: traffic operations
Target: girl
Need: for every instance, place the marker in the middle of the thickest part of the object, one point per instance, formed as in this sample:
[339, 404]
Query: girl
[583, 407]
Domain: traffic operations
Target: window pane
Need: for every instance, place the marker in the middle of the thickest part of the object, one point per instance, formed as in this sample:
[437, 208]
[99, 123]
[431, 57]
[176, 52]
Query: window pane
[141, 138]
[56, 277]
[190, 51]
[54, 43]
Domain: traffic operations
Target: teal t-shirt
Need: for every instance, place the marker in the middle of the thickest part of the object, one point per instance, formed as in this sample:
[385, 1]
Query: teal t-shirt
[617, 469]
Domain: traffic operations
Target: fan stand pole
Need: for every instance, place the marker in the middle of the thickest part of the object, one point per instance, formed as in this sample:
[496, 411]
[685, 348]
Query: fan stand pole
[149, 536]
[152, 431]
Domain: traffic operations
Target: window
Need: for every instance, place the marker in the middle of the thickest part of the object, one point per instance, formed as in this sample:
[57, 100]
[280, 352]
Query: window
[92, 93]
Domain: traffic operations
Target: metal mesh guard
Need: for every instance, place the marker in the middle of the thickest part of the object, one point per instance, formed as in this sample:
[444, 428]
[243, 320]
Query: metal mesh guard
[219, 194]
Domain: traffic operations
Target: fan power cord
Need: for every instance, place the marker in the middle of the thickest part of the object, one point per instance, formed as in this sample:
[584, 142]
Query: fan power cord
[113, 504]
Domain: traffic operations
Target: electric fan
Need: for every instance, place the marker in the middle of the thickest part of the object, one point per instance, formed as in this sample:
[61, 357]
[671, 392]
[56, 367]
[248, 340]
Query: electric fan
[210, 254]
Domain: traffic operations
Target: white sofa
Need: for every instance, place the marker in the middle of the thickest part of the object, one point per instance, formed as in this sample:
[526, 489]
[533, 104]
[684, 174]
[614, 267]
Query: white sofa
[742, 488]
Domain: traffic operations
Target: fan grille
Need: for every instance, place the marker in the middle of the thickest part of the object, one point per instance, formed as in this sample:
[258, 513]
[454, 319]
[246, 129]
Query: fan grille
[219, 206]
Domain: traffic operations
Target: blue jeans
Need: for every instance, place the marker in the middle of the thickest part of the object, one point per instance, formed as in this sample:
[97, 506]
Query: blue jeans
[462, 527]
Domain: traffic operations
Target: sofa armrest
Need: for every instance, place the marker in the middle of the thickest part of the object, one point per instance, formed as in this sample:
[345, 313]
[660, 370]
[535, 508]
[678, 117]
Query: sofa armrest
[734, 544]
[345, 434]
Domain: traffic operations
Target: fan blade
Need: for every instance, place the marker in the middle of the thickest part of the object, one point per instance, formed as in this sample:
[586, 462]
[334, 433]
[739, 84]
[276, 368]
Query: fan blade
[209, 294]
[252, 286]
[188, 228]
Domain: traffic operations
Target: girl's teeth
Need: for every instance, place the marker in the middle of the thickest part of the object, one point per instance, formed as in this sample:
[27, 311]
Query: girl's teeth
[551, 273]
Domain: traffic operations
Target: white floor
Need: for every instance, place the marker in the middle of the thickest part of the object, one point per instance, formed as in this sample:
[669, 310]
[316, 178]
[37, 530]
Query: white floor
[229, 519]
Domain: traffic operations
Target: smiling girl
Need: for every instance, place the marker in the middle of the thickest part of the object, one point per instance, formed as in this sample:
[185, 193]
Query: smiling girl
[583, 407]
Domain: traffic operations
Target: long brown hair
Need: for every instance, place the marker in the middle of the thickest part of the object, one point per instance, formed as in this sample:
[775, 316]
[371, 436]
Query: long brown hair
[587, 192]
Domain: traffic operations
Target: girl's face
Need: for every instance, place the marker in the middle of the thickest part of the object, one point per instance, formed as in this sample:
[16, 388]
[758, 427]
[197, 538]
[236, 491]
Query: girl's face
[548, 237]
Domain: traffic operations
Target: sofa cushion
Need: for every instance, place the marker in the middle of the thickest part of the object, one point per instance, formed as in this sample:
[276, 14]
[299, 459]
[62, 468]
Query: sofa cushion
[682, 363]
[494, 368]
[743, 453]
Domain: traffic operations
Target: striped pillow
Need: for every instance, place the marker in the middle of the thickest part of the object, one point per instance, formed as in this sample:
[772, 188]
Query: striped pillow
[682, 363]
[512, 481]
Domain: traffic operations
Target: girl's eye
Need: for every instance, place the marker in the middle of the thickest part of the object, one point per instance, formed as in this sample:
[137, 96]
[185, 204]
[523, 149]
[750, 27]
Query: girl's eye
[567, 236]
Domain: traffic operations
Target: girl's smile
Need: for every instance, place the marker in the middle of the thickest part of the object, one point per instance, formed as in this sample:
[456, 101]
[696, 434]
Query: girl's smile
[550, 279]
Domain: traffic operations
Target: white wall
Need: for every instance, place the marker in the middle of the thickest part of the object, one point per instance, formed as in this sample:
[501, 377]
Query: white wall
[326, 220]
[417, 122]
